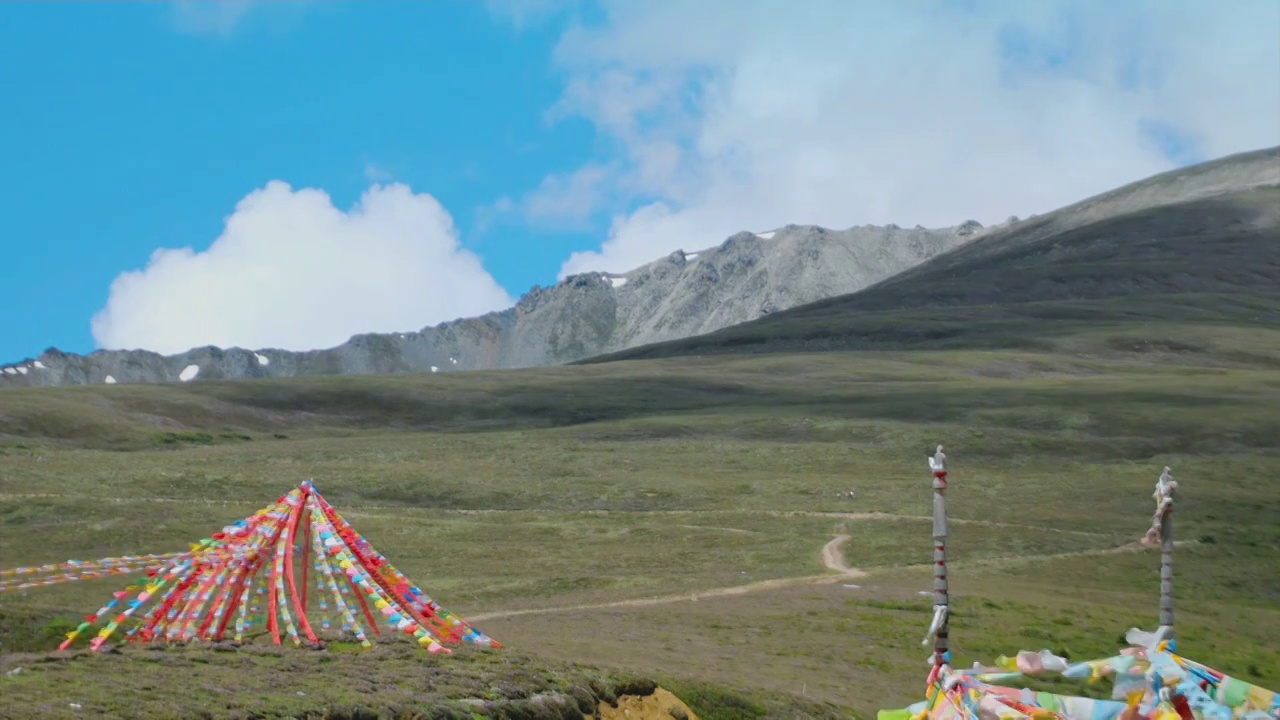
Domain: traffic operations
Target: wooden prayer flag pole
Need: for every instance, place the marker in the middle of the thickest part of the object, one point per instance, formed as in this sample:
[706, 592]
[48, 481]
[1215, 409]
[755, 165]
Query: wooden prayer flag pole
[1161, 532]
[939, 628]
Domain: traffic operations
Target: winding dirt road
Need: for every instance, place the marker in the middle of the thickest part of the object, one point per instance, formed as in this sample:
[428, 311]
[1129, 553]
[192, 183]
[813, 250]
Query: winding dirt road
[832, 559]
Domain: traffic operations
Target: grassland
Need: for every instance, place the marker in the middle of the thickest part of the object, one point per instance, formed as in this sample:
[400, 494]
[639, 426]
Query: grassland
[544, 501]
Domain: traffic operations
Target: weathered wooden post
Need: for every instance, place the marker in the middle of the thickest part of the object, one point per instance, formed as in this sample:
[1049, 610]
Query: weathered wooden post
[938, 629]
[1161, 532]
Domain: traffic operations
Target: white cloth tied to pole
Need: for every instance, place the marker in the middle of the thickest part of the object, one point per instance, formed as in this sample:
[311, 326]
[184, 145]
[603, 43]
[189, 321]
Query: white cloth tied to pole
[1166, 486]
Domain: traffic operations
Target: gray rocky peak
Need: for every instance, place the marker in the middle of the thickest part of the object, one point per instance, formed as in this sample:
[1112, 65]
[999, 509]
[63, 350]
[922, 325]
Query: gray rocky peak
[685, 293]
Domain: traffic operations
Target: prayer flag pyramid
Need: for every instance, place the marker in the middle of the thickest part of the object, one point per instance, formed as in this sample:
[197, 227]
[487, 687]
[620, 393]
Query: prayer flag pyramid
[245, 578]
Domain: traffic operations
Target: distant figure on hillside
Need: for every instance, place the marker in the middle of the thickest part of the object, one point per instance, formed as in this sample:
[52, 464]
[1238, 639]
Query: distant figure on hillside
[846, 495]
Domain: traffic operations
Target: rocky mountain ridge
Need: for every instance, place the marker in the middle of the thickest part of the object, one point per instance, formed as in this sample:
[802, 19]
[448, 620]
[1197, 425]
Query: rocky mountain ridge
[747, 276]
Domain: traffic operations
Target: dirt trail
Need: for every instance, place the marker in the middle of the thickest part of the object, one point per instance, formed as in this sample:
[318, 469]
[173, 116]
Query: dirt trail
[1095, 552]
[747, 589]
[832, 559]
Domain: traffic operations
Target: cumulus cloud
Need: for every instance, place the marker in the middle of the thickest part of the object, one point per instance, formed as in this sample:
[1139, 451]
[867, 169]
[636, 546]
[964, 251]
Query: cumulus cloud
[728, 115]
[292, 271]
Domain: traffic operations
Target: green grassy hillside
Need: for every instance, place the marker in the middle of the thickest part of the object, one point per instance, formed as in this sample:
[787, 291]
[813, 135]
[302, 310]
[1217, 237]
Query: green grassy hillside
[665, 519]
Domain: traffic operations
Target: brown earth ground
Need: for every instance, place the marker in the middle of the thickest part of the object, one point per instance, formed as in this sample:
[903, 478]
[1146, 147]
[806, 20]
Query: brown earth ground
[661, 705]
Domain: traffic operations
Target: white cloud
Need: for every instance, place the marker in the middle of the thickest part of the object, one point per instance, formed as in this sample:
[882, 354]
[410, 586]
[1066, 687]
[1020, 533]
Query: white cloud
[292, 271]
[562, 201]
[567, 199]
[485, 216]
[376, 173]
[223, 18]
[211, 17]
[749, 114]
[524, 14]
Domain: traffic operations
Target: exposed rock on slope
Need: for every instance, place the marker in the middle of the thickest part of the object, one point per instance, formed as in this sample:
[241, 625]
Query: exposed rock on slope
[686, 293]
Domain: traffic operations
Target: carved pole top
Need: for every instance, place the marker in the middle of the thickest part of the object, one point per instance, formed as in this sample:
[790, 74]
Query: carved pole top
[938, 463]
[1166, 486]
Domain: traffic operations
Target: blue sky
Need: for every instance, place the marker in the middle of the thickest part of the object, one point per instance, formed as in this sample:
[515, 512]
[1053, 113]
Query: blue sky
[556, 136]
[130, 135]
